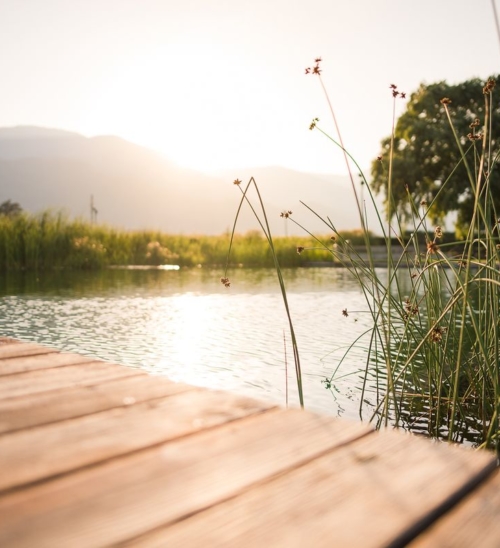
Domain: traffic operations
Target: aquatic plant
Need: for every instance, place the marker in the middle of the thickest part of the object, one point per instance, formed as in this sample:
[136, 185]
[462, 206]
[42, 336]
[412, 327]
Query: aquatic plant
[51, 240]
[264, 224]
[433, 352]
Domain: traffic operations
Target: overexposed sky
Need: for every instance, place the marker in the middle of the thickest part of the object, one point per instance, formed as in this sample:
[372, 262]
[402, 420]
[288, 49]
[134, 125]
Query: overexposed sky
[217, 84]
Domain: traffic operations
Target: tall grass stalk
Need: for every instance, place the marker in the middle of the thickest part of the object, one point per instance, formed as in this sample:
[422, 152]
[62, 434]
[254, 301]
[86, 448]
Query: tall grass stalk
[434, 345]
[51, 240]
[264, 224]
[439, 344]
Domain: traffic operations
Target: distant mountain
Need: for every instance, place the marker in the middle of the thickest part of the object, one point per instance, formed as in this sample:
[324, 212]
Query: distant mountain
[134, 187]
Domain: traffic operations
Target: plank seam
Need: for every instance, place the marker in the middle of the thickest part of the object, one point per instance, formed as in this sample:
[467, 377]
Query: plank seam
[255, 485]
[94, 383]
[115, 406]
[85, 361]
[432, 517]
[31, 355]
[149, 447]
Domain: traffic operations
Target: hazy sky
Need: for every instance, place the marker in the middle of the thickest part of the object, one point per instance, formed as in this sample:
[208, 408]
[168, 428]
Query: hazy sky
[220, 83]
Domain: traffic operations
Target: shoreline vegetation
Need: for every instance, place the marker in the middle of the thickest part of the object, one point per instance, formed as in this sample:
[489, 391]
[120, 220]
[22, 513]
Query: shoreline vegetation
[49, 241]
[433, 349]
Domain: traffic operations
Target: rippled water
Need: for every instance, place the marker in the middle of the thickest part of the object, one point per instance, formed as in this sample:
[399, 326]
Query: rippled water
[185, 325]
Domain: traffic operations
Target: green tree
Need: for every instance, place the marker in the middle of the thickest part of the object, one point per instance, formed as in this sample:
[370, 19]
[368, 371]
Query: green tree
[10, 209]
[426, 155]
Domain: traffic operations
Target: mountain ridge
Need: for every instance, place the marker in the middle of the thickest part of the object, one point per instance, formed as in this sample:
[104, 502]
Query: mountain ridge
[134, 187]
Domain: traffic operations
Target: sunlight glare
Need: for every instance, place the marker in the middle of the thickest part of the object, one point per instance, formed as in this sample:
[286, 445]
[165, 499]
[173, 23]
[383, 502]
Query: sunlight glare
[187, 101]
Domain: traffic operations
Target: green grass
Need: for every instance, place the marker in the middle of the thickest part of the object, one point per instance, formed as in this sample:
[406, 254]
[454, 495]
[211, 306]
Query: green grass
[433, 351]
[52, 241]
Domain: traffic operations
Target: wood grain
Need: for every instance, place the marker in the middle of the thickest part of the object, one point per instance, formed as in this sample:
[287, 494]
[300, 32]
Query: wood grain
[8, 340]
[23, 364]
[71, 444]
[130, 496]
[35, 382]
[474, 522]
[365, 495]
[95, 454]
[70, 402]
[13, 350]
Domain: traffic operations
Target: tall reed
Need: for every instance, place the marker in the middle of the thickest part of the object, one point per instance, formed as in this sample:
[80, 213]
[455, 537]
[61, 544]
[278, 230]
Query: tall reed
[264, 224]
[434, 346]
[50, 240]
[434, 352]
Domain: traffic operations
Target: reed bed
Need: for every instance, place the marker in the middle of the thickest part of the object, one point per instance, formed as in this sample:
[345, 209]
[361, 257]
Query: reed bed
[51, 240]
[433, 352]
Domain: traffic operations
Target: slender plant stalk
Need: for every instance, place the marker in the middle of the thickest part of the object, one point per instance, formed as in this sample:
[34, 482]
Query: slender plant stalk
[264, 224]
[440, 344]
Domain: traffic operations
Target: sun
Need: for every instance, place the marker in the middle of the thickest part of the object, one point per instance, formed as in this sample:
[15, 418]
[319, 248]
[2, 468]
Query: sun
[188, 101]
[207, 107]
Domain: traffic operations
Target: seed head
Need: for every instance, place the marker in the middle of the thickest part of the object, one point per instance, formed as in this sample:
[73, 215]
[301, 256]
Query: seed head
[437, 333]
[474, 136]
[225, 282]
[445, 101]
[316, 68]
[285, 214]
[489, 86]
[300, 249]
[344, 312]
[236, 182]
[432, 247]
[411, 309]
[438, 232]
[313, 123]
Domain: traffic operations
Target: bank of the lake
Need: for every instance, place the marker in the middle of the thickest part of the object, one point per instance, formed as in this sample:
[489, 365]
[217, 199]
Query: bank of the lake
[52, 241]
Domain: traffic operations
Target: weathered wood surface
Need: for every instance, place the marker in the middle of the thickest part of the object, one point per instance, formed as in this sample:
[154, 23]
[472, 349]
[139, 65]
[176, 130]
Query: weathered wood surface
[95, 454]
[473, 522]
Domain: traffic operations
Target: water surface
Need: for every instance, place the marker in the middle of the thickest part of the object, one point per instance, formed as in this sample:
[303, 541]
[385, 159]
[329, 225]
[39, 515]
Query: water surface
[185, 325]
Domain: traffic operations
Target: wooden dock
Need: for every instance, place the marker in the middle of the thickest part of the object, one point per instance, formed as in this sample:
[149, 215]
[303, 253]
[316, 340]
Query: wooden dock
[94, 454]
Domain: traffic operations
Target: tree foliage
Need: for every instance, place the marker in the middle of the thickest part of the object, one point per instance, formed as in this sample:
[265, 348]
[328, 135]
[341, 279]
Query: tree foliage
[10, 209]
[426, 157]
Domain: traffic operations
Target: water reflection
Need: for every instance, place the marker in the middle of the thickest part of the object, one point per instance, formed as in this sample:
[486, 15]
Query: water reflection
[186, 325]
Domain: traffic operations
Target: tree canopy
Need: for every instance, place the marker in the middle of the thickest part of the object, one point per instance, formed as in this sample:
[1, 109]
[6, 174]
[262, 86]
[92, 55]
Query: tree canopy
[426, 155]
[10, 208]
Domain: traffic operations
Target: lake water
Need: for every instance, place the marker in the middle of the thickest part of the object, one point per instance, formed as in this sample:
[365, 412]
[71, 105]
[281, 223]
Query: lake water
[185, 325]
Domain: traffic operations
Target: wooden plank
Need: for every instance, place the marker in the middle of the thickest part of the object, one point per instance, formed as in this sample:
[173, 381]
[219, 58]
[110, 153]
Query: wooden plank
[13, 350]
[67, 403]
[23, 364]
[8, 340]
[127, 497]
[34, 382]
[474, 522]
[90, 439]
[366, 494]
